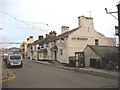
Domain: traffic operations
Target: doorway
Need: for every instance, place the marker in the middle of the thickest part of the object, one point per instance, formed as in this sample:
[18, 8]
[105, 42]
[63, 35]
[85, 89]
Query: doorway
[79, 58]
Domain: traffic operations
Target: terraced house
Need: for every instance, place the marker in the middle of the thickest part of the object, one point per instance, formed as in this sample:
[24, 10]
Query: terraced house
[24, 46]
[70, 44]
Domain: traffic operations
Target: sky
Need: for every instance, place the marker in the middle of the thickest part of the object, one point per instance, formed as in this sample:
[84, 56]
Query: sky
[23, 18]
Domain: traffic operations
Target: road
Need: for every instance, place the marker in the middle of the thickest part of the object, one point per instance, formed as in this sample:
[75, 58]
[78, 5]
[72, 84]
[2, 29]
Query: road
[0, 73]
[35, 75]
[0, 69]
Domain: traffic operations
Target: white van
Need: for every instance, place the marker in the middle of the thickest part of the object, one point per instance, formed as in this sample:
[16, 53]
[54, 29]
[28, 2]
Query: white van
[14, 60]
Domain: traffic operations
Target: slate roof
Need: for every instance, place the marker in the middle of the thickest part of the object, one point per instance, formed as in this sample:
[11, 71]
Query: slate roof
[105, 52]
[67, 33]
[42, 50]
[47, 40]
[35, 42]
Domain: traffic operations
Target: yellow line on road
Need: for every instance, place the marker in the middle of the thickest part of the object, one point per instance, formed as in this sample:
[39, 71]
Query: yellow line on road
[9, 76]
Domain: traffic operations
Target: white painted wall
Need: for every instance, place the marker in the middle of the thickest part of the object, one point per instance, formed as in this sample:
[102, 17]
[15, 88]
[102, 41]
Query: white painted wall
[86, 37]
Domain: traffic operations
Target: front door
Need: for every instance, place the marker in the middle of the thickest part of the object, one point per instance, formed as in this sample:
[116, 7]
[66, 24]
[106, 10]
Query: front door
[79, 57]
[55, 53]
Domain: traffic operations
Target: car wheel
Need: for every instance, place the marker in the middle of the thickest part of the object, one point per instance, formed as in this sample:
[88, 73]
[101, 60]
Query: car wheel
[21, 66]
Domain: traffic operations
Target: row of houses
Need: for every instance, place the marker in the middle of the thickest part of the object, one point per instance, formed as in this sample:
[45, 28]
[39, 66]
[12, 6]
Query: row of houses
[82, 46]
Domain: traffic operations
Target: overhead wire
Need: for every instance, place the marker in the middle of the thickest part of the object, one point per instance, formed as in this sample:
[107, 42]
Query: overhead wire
[30, 24]
[22, 21]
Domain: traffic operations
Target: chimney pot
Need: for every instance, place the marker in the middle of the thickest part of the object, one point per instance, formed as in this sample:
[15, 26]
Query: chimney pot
[47, 35]
[30, 36]
[27, 39]
[40, 37]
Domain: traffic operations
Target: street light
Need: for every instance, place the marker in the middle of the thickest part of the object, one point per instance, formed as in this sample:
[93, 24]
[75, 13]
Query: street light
[111, 13]
[116, 27]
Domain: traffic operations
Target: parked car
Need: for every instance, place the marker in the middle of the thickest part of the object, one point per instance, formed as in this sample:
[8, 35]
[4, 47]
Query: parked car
[14, 60]
[5, 57]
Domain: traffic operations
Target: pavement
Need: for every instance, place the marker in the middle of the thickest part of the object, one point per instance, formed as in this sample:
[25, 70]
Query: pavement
[88, 70]
[0, 70]
[4, 72]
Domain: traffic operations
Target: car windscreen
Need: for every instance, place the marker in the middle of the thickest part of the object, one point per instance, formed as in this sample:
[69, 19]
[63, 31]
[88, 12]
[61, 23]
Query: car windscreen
[15, 57]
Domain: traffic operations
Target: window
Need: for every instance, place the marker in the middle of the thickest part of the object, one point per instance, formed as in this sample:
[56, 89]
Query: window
[53, 43]
[96, 41]
[35, 47]
[23, 49]
[42, 46]
[31, 48]
[61, 52]
[38, 48]
[15, 57]
[47, 45]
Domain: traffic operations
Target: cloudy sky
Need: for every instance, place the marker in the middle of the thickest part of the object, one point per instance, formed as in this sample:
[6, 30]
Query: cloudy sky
[22, 18]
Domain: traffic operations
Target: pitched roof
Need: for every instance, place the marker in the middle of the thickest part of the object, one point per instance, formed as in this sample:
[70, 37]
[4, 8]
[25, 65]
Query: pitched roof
[67, 33]
[54, 38]
[105, 52]
[35, 42]
[47, 40]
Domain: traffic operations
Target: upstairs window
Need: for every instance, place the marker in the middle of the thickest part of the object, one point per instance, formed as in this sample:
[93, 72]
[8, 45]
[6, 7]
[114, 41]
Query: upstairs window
[42, 46]
[31, 47]
[38, 48]
[96, 41]
[47, 44]
[53, 43]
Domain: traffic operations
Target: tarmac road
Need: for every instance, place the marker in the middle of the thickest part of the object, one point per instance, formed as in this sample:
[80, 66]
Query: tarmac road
[0, 73]
[35, 75]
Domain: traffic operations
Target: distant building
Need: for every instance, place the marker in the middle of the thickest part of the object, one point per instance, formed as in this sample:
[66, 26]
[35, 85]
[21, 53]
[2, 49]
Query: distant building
[32, 49]
[24, 45]
[14, 50]
[41, 48]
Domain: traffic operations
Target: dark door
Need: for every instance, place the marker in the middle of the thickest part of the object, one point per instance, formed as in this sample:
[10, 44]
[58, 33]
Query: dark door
[55, 55]
[95, 63]
[92, 62]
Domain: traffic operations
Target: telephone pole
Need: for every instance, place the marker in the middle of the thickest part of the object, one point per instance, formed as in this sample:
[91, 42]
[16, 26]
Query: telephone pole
[118, 7]
[118, 30]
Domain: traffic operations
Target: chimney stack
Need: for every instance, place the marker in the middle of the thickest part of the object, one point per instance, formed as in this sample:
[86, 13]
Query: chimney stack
[53, 33]
[27, 39]
[85, 22]
[40, 37]
[31, 37]
[64, 29]
[47, 35]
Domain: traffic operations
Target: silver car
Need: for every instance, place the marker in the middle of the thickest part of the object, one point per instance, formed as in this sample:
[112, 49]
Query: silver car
[14, 60]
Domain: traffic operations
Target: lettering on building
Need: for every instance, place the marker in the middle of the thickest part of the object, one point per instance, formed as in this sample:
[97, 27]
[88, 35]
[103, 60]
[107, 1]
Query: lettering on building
[78, 38]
